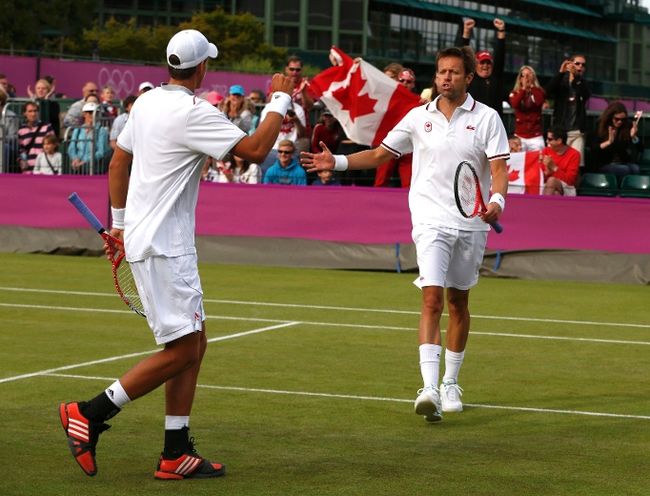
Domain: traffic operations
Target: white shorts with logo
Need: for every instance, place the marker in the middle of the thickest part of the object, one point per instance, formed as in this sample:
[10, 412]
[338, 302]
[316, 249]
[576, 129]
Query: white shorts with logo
[447, 257]
[170, 290]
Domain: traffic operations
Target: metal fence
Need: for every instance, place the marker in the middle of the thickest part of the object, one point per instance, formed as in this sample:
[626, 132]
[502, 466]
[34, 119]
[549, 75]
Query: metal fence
[90, 144]
[85, 150]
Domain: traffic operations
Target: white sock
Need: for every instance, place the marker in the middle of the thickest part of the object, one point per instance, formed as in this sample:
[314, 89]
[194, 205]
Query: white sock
[176, 422]
[453, 361]
[430, 364]
[117, 394]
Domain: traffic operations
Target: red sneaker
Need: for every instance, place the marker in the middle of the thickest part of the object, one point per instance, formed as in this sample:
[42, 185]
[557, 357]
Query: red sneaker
[82, 436]
[189, 465]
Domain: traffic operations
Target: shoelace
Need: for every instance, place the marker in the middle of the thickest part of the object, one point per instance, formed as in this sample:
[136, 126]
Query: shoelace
[430, 388]
[453, 391]
[192, 447]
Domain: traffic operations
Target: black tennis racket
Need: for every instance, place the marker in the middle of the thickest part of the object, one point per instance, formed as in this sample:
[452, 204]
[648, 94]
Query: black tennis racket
[467, 192]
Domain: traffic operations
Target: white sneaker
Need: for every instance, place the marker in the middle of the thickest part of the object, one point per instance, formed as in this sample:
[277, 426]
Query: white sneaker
[450, 394]
[428, 404]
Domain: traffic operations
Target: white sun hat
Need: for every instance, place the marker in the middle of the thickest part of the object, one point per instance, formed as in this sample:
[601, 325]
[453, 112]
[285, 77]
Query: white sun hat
[188, 48]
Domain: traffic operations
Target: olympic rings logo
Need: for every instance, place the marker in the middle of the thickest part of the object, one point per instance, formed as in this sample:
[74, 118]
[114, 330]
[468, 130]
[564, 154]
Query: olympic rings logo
[123, 83]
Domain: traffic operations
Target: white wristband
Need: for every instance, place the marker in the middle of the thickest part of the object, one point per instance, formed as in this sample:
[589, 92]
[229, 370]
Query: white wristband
[280, 103]
[499, 200]
[340, 163]
[118, 218]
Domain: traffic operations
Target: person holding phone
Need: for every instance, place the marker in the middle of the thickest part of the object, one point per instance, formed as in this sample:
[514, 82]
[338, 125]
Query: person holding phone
[570, 92]
[617, 144]
[527, 100]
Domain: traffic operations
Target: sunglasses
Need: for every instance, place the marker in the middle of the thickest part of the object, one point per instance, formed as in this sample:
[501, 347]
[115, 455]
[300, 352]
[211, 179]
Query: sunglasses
[580, 63]
[618, 119]
[295, 69]
[285, 152]
[406, 80]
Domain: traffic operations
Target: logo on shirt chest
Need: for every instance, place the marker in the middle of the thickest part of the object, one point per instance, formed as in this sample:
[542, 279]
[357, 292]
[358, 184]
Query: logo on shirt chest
[427, 127]
[470, 127]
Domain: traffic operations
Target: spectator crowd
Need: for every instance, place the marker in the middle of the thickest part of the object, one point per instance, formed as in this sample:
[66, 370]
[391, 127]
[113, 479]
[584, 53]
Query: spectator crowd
[37, 138]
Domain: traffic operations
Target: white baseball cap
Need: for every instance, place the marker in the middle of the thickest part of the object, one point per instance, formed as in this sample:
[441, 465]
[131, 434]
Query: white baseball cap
[89, 107]
[188, 48]
[144, 85]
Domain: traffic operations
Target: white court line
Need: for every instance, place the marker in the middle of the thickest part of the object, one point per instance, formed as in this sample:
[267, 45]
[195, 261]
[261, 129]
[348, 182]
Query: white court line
[376, 398]
[131, 355]
[336, 324]
[349, 309]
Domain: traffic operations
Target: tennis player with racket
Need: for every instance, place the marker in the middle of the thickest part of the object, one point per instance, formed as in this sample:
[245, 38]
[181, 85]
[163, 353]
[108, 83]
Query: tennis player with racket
[165, 142]
[446, 136]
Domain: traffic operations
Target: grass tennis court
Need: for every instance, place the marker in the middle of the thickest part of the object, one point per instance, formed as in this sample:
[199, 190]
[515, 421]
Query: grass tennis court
[308, 385]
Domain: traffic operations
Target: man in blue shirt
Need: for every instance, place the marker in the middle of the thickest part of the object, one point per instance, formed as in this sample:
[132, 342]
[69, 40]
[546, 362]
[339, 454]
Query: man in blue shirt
[286, 169]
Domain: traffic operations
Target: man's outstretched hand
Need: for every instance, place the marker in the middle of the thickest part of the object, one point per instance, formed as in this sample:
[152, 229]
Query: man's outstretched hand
[315, 162]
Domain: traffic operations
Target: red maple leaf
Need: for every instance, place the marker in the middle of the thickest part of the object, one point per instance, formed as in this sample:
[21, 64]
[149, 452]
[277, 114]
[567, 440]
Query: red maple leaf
[357, 105]
[513, 174]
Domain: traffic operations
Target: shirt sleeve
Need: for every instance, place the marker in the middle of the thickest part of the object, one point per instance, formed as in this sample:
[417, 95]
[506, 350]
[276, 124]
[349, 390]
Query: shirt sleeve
[39, 164]
[118, 125]
[101, 143]
[209, 131]
[72, 147]
[300, 113]
[496, 139]
[398, 140]
[125, 138]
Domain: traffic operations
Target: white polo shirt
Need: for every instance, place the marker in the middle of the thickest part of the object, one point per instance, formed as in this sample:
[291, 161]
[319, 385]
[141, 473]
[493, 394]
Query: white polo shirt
[169, 133]
[475, 134]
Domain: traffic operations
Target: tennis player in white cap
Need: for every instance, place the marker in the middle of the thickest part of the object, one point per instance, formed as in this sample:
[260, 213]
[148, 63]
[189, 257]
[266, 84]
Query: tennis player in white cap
[165, 142]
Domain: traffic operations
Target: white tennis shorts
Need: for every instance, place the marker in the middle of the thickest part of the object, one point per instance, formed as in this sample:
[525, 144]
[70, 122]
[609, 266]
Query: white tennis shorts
[448, 258]
[170, 290]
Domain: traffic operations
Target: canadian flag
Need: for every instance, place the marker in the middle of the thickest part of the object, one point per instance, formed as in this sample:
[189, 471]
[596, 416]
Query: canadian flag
[525, 174]
[365, 101]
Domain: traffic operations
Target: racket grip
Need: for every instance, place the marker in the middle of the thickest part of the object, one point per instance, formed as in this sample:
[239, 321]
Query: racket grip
[497, 227]
[86, 212]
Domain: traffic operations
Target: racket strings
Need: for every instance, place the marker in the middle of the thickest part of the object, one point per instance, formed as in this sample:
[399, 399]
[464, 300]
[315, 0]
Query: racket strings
[123, 277]
[127, 287]
[468, 192]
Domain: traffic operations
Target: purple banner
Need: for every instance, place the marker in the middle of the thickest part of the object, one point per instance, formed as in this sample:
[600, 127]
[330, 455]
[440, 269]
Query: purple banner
[343, 214]
[71, 75]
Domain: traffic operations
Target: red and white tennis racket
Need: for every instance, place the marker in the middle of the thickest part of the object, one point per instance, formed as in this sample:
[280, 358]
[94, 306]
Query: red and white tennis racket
[467, 192]
[122, 276]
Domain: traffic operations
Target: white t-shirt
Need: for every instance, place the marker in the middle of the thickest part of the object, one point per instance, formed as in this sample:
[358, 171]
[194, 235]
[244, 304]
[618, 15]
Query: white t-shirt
[475, 134]
[43, 167]
[288, 129]
[169, 133]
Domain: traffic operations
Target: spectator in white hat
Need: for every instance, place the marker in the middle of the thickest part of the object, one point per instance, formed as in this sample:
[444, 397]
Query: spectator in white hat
[144, 87]
[89, 144]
